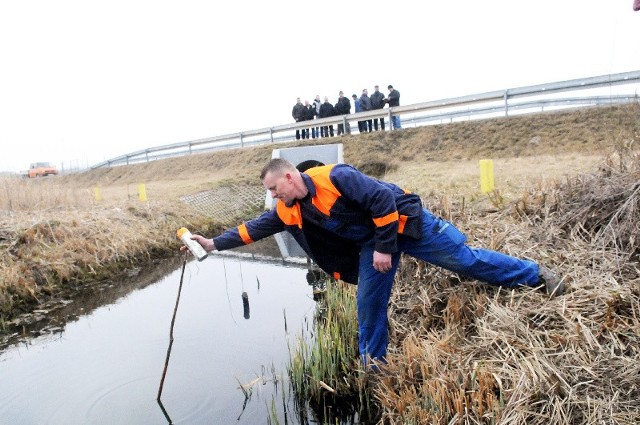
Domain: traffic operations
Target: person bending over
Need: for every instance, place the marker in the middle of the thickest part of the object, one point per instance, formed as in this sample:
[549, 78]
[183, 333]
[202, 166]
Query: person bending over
[355, 228]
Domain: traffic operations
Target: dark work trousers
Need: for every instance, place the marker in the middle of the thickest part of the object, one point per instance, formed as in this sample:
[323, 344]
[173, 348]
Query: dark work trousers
[326, 131]
[442, 245]
[375, 124]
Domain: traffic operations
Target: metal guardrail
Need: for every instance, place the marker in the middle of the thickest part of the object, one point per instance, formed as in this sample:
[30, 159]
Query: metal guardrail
[494, 103]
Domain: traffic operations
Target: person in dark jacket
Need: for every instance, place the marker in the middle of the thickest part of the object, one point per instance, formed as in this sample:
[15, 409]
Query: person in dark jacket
[356, 227]
[326, 110]
[342, 107]
[394, 100]
[309, 115]
[298, 115]
[315, 131]
[358, 108]
[365, 104]
[377, 102]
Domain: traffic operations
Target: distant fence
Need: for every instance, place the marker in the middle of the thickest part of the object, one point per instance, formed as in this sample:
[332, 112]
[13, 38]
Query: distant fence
[484, 105]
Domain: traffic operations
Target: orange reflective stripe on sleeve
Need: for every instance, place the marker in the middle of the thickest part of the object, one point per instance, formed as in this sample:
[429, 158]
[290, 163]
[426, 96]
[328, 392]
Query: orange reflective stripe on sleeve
[402, 221]
[383, 221]
[244, 234]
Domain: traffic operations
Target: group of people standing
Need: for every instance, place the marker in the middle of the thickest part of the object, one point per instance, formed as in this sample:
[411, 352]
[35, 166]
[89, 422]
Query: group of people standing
[318, 109]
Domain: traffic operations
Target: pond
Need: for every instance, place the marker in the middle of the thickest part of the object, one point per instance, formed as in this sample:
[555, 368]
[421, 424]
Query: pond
[105, 367]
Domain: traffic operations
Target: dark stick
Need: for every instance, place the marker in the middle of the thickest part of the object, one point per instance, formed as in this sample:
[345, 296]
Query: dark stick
[173, 321]
[164, 412]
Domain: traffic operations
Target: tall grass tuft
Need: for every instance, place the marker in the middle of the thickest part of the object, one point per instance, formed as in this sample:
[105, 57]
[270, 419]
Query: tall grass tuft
[324, 367]
[17, 194]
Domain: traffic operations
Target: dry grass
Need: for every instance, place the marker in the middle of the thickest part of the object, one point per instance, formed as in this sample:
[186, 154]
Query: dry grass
[19, 194]
[470, 353]
[53, 251]
[512, 175]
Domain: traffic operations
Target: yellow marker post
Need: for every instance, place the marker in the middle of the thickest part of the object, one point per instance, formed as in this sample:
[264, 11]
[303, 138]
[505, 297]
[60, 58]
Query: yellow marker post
[486, 176]
[142, 192]
[97, 195]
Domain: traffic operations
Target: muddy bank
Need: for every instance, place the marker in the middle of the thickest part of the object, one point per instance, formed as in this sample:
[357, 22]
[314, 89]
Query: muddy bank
[74, 300]
[51, 255]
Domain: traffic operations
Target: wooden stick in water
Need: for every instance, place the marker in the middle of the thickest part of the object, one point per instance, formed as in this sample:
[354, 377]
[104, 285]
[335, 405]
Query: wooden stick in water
[173, 321]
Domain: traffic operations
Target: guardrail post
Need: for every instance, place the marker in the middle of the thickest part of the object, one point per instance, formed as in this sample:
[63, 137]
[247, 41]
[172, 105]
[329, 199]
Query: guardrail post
[271, 134]
[506, 103]
[241, 140]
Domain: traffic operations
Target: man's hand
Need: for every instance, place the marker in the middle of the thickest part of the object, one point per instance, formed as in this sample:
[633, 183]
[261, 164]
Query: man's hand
[207, 244]
[381, 261]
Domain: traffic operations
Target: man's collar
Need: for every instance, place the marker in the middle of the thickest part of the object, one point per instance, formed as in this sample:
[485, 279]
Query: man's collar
[310, 187]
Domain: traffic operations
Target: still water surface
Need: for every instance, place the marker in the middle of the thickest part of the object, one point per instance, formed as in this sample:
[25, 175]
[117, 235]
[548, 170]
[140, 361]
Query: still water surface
[105, 368]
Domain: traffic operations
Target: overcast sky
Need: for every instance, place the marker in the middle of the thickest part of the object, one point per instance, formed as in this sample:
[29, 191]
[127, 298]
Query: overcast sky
[84, 81]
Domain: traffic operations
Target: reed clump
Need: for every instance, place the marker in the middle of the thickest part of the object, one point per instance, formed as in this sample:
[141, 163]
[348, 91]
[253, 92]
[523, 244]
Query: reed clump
[602, 208]
[321, 361]
[22, 194]
[465, 352]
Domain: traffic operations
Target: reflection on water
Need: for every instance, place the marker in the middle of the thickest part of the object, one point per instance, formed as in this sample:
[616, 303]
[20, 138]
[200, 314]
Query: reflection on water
[171, 339]
[53, 315]
[227, 363]
[245, 306]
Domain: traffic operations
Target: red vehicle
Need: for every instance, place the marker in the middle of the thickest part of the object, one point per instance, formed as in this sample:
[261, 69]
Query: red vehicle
[41, 169]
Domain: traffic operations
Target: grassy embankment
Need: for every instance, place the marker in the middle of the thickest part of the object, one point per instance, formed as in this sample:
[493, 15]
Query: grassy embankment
[473, 351]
